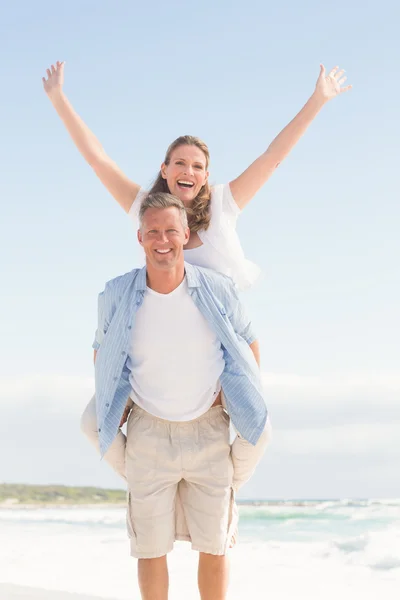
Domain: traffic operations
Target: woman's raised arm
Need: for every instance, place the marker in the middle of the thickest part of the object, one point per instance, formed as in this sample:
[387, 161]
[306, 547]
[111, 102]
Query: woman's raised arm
[253, 178]
[118, 184]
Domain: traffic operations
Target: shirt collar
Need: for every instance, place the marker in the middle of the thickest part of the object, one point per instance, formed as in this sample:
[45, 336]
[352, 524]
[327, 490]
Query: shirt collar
[192, 278]
[140, 280]
[192, 275]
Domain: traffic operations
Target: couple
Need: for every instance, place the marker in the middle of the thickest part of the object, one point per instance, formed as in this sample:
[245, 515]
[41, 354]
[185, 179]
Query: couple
[176, 352]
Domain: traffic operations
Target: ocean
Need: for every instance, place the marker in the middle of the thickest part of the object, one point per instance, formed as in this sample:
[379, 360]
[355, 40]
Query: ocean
[347, 549]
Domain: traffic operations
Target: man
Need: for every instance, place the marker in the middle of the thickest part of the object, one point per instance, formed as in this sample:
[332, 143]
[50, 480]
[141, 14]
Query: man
[171, 337]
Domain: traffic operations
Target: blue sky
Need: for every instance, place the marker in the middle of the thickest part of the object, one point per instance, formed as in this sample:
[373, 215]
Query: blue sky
[324, 229]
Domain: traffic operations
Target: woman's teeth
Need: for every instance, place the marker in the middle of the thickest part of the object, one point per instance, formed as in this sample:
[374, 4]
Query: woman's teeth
[187, 184]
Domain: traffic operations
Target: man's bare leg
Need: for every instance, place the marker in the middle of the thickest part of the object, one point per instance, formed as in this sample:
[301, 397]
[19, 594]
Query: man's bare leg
[153, 578]
[213, 576]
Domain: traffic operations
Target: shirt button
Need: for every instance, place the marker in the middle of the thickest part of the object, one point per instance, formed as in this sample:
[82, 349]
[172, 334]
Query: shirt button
[123, 353]
[115, 378]
[107, 404]
[99, 429]
[129, 326]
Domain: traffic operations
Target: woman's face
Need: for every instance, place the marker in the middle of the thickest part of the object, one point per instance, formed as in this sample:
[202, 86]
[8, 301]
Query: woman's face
[186, 172]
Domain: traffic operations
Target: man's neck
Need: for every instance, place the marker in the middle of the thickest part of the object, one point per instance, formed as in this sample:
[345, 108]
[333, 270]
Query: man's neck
[165, 282]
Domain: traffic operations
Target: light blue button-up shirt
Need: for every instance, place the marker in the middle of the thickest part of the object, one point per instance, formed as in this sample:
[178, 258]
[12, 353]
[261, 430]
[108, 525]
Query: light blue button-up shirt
[216, 298]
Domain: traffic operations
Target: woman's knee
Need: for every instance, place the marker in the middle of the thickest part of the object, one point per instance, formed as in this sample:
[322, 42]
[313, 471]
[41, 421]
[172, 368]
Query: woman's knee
[266, 435]
[89, 419]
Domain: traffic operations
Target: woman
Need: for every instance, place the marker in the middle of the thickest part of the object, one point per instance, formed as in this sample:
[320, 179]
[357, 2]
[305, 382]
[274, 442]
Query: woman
[212, 211]
[213, 242]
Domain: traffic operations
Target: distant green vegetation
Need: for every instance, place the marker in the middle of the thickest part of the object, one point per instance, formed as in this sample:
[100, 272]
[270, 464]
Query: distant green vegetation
[58, 494]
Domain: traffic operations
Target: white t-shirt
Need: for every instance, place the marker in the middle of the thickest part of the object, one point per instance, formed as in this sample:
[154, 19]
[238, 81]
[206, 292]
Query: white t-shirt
[221, 249]
[175, 358]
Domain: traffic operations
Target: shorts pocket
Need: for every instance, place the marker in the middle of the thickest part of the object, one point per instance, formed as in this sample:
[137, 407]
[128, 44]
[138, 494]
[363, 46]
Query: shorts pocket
[129, 523]
[216, 437]
[133, 419]
[233, 522]
[142, 449]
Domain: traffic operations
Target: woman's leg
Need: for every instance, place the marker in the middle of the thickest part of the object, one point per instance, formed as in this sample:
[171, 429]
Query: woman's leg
[245, 456]
[115, 456]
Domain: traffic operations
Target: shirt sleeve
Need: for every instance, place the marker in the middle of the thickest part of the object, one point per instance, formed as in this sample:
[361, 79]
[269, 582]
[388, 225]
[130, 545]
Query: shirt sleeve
[101, 323]
[133, 213]
[239, 318]
[230, 209]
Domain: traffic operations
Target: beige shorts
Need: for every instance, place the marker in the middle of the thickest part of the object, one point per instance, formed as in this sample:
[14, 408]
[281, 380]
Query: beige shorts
[189, 463]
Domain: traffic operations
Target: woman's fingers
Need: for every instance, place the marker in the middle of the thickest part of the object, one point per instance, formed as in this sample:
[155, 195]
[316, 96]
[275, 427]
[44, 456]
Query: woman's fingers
[342, 80]
[53, 70]
[345, 89]
[333, 71]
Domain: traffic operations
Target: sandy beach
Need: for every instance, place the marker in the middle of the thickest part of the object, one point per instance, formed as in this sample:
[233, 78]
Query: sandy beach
[16, 592]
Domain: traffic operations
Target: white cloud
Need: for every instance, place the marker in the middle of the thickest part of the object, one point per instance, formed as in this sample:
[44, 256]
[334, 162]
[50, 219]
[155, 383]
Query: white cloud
[333, 386]
[353, 439]
[53, 393]
[303, 402]
[23, 389]
[344, 426]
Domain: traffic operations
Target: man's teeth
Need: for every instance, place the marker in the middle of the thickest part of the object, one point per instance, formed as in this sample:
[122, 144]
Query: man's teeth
[186, 183]
[163, 251]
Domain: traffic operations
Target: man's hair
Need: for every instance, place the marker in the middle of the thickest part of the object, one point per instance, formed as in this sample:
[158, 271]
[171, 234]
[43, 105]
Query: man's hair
[162, 200]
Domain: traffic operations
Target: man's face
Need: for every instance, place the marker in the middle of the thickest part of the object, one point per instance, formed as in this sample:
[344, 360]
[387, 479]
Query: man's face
[163, 237]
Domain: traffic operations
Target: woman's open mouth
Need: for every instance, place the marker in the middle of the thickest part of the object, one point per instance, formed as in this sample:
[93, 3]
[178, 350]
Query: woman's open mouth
[184, 184]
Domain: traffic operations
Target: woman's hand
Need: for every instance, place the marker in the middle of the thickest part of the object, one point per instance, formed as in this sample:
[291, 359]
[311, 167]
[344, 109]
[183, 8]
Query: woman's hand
[55, 79]
[126, 413]
[118, 184]
[329, 86]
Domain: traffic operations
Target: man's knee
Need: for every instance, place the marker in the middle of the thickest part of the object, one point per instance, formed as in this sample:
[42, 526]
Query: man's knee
[213, 561]
[152, 562]
[152, 567]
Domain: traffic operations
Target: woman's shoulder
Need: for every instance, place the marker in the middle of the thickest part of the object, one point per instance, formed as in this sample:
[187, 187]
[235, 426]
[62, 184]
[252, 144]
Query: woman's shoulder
[136, 204]
[222, 198]
[222, 195]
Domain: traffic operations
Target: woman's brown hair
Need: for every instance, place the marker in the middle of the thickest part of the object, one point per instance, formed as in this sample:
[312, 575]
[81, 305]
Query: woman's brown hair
[199, 213]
